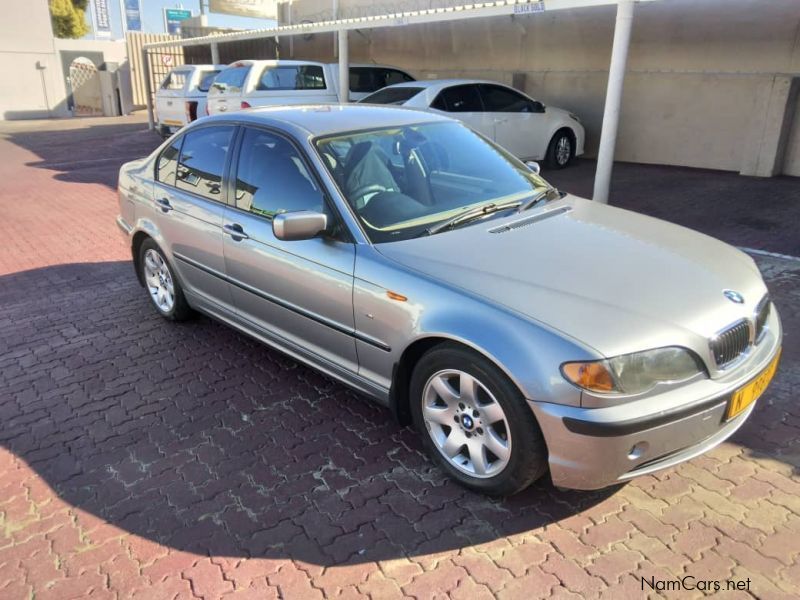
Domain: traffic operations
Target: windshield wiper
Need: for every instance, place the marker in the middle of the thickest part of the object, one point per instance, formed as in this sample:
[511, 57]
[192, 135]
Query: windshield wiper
[470, 215]
[537, 198]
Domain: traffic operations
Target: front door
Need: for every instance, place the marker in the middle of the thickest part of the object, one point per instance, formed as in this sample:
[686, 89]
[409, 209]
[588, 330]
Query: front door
[300, 291]
[189, 207]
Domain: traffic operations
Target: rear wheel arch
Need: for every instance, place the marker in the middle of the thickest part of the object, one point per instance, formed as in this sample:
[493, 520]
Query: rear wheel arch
[136, 244]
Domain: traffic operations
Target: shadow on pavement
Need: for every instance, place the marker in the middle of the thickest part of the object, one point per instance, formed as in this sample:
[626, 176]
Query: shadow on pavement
[90, 154]
[202, 439]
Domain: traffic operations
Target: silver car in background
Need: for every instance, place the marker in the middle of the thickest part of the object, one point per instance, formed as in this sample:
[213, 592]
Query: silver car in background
[517, 327]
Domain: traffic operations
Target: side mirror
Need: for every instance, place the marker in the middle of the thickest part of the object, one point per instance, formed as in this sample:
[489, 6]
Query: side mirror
[533, 166]
[299, 225]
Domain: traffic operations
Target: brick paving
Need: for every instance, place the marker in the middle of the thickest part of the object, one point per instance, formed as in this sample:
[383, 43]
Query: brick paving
[140, 459]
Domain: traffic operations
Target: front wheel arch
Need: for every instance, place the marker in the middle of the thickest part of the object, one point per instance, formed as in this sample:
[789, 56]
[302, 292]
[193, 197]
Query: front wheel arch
[399, 395]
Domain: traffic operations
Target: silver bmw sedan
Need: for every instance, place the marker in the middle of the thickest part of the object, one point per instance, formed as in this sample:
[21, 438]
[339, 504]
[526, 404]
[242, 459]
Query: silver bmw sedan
[518, 328]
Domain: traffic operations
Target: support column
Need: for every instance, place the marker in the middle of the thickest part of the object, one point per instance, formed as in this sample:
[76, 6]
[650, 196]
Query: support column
[148, 89]
[215, 54]
[616, 77]
[344, 67]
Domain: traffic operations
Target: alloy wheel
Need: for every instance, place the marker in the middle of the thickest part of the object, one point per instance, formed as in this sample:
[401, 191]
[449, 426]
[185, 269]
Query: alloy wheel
[563, 150]
[466, 423]
[159, 281]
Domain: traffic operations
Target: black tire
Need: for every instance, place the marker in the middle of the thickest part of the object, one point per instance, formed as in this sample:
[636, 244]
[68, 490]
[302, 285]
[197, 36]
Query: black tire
[180, 309]
[528, 456]
[163, 131]
[555, 158]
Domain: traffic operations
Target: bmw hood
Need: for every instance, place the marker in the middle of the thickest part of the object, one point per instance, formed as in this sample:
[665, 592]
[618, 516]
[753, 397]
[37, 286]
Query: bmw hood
[614, 280]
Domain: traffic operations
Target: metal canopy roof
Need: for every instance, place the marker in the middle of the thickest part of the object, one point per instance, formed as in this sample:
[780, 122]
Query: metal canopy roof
[416, 17]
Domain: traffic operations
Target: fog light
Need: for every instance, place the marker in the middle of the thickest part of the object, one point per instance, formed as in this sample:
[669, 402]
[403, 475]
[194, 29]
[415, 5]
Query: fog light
[638, 450]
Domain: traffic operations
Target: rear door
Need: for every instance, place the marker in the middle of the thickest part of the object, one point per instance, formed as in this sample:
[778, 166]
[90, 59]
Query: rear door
[190, 203]
[520, 123]
[170, 106]
[225, 94]
[463, 102]
[299, 291]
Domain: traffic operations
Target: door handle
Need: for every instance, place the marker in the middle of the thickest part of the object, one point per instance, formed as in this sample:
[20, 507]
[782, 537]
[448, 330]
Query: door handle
[164, 204]
[235, 231]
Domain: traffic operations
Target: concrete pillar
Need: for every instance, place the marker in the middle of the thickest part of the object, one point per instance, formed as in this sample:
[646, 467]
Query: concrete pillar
[344, 67]
[769, 127]
[214, 53]
[616, 77]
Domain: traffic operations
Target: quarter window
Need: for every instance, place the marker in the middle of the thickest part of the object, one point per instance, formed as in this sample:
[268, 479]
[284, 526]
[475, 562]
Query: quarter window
[301, 77]
[168, 162]
[460, 98]
[206, 79]
[271, 177]
[232, 78]
[176, 80]
[202, 161]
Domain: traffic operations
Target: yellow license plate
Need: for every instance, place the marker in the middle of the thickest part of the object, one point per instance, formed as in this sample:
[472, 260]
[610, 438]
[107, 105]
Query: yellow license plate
[172, 122]
[745, 396]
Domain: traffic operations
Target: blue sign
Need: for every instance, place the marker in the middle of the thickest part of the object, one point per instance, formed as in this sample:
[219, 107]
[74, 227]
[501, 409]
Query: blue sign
[173, 18]
[133, 15]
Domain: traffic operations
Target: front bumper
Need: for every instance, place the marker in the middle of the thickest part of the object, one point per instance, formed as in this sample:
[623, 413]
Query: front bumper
[591, 448]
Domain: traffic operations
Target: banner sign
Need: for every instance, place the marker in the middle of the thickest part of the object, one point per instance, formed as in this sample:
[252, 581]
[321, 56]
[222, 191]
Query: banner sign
[102, 20]
[173, 18]
[259, 9]
[133, 15]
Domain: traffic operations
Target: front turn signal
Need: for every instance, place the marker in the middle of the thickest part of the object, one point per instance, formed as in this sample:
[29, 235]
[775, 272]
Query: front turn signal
[593, 376]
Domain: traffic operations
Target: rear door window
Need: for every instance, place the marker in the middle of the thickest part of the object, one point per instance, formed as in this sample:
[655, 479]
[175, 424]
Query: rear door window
[232, 79]
[500, 99]
[294, 77]
[459, 98]
[202, 161]
[397, 95]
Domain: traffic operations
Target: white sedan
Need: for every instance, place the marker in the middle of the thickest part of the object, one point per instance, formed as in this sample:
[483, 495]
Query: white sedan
[523, 126]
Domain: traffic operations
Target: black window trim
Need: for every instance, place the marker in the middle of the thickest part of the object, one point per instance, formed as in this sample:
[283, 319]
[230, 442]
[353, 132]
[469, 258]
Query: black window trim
[345, 235]
[460, 85]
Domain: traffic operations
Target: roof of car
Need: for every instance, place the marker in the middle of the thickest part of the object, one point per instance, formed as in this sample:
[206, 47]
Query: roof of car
[432, 83]
[326, 119]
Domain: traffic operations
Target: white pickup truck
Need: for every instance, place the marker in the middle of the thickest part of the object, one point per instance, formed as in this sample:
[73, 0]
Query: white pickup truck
[181, 97]
[247, 83]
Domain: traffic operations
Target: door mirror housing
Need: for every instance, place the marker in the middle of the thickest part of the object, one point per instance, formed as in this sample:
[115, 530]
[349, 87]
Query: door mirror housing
[533, 166]
[299, 225]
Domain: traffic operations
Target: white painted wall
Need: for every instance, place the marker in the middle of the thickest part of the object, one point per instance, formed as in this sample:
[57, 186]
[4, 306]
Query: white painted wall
[32, 77]
[700, 88]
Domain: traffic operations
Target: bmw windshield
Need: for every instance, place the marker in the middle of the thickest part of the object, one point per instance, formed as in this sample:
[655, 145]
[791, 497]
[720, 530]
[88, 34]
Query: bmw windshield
[402, 181]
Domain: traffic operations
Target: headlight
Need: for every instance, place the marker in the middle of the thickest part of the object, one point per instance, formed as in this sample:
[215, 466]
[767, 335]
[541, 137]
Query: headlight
[633, 373]
[574, 117]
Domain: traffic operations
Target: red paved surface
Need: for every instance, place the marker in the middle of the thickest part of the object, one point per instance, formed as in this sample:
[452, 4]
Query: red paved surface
[140, 459]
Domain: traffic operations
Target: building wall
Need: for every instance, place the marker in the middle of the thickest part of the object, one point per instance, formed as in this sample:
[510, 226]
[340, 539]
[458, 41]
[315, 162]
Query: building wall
[27, 60]
[30, 60]
[700, 88]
